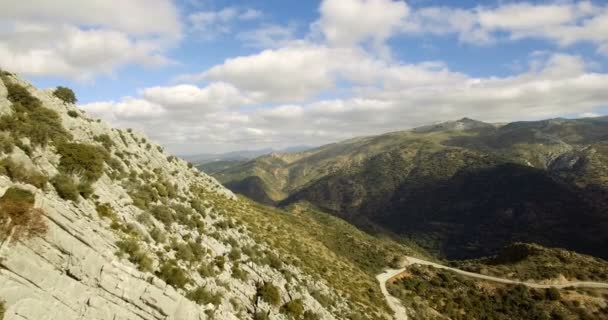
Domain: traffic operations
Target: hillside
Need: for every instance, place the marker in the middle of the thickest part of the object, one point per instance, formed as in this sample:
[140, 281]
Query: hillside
[101, 223]
[462, 189]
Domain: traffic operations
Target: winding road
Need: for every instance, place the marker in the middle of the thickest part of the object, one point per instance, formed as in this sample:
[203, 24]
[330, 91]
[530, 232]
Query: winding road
[400, 313]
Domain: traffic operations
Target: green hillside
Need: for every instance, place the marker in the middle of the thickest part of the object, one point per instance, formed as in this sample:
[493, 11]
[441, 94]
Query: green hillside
[461, 189]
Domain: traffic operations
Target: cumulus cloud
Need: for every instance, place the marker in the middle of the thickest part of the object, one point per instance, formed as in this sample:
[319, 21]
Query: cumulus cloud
[564, 23]
[209, 24]
[406, 96]
[80, 41]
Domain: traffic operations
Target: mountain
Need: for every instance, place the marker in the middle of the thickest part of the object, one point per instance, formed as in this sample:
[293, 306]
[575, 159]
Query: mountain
[101, 223]
[462, 189]
[237, 155]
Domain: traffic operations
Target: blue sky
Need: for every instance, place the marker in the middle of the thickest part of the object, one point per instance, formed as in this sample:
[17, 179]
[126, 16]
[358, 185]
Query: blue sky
[205, 76]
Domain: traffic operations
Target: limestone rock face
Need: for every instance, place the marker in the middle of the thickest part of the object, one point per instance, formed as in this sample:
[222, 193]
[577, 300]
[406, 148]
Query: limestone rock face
[75, 270]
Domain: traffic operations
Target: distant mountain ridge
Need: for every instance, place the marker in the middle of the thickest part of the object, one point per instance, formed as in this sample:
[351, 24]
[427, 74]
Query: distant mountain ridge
[446, 184]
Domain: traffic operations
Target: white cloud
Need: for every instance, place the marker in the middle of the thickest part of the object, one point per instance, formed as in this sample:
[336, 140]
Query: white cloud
[269, 36]
[351, 22]
[129, 109]
[401, 97]
[209, 24]
[563, 22]
[80, 41]
[160, 16]
[190, 98]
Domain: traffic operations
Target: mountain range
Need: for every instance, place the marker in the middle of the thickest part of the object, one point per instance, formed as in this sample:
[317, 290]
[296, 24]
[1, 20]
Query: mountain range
[102, 223]
[462, 189]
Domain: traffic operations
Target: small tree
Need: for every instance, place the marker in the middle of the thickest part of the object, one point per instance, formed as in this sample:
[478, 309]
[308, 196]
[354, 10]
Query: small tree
[65, 94]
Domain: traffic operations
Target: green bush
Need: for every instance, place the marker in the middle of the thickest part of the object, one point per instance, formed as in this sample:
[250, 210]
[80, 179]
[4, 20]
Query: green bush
[137, 255]
[206, 271]
[239, 273]
[220, 262]
[105, 141]
[173, 275]
[293, 308]
[163, 214]
[73, 114]
[39, 125]
[18, 172]
[85, 159]
[269, 293]
[19, 94]
[158, 235]
[310, 315]
[6, 142]
[65, 94]
[201, 296]
[105, 211]
[66, 187]
[552, 294]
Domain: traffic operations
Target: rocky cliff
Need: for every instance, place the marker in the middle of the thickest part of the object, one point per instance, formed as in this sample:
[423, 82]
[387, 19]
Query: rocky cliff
[129, 231]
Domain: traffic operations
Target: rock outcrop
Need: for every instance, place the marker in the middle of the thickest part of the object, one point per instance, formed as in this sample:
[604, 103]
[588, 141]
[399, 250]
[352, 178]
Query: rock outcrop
[151, 239]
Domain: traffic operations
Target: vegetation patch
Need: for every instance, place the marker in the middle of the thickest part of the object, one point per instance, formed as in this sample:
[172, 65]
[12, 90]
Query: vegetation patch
[18, 172]
[457, 297]
[533, 262]
[203, 296]
[269, 293]
[172, 274]
[83, 159]
[39, 125]
[137, 255]
[65, 94]
[294, 308]
[18, 217]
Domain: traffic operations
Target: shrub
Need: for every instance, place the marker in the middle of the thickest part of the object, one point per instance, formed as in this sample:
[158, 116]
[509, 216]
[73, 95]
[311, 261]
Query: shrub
[85, 159]
[65, 94]
[310, 315]
[201, 296]
[6, 142]
[137, 255]
[73, 114]
[39, 125]
[184, 252]
[18, 172]
[220, 261]
[261, 315]
[66, 187]
[552, 294]
[105, 141]
[172, 274]
[105, 211]
[163, 214]
[206, 271]
[235, 254]
[269, 293]
[19, 94]
[239, 273]
[85, 188]
[18, 215]
[293, 308]
[158, 235]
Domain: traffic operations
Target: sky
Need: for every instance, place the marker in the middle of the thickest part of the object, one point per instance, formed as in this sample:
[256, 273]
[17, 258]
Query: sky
[212, 76]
